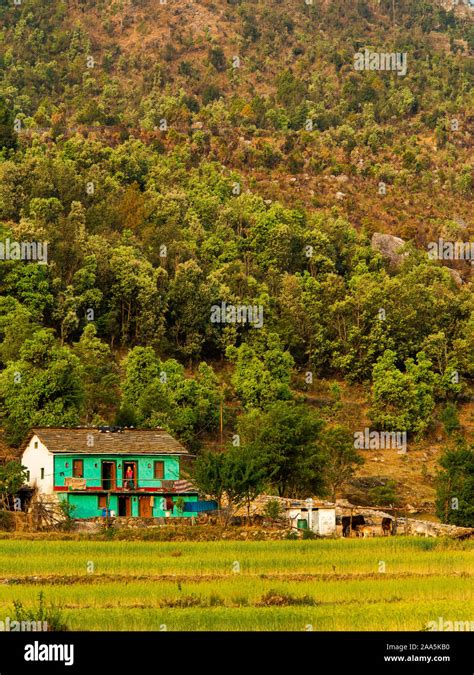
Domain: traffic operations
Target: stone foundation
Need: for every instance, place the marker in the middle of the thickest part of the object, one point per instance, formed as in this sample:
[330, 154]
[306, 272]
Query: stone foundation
[122, 522]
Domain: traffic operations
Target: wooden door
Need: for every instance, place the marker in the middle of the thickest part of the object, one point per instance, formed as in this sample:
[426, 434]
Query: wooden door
[146, 510]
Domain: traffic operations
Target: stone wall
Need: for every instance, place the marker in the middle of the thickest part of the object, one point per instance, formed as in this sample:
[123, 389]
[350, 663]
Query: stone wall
[426, 528]
[94, 524]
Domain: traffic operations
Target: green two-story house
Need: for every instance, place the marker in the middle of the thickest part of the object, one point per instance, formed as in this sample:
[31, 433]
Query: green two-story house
[108, 470]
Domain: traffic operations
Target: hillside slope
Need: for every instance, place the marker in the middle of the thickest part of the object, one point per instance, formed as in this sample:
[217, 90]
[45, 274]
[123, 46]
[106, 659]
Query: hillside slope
[180, 155]
[247, 78]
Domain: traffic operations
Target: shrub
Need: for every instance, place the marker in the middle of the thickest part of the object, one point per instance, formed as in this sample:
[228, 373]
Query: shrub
[276, 599]
[66, 510]
[385, 495]
[7, 521]
[51, 615]
[273, 509]
[210, 93]
[450, 418]
[217, 58]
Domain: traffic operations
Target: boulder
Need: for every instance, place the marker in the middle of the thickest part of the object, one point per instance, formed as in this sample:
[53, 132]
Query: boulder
[456, 277]
[388, 246]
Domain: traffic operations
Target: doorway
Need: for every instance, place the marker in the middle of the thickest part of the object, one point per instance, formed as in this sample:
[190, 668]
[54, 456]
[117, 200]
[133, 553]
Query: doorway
[145, 507]
[108, 475]
[130, 475]
[124, 506]
[350, 524]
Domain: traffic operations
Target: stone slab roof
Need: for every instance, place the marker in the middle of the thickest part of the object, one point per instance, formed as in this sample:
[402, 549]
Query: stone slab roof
[93, 441]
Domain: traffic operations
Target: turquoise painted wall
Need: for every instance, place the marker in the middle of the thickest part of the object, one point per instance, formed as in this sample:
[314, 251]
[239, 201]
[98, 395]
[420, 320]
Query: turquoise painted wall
[93, 469]
[87, 505]
[159, 510]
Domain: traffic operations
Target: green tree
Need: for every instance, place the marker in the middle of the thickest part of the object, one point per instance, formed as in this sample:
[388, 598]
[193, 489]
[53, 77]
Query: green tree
[100, 376]
[402, 401]
[341, 458]
[245, 476]
[208, 475]
[8, 137]
[384, 495]
[158, 393]
[44, 387]
[262, 373]
[286, 437]
[12, 477]
[232, 478]
[190, 299]
[137, 290]
[455, 486]
[16, 325]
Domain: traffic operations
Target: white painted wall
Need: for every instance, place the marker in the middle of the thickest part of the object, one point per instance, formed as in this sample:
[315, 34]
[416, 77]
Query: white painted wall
[35, 459]
[293, 515]
[326, 521]
[323, 521]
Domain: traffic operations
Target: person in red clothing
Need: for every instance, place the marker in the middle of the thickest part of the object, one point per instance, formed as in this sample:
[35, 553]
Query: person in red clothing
[129, 478]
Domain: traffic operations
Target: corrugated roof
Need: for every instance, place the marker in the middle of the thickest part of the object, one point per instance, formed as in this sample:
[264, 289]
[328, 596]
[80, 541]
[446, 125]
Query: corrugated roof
[125, 442]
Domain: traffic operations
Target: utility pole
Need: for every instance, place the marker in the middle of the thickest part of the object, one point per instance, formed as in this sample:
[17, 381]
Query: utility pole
[309, 503]
[222, 420]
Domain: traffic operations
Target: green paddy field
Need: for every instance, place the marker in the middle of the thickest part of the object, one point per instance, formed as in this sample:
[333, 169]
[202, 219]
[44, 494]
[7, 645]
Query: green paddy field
[397, 583]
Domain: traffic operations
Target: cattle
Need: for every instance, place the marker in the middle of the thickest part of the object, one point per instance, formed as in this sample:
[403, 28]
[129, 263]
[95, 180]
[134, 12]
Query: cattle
[365, 531]
[387, 527]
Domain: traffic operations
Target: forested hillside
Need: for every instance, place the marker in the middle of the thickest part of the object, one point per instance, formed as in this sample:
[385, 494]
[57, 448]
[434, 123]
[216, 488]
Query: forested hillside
[182, 155]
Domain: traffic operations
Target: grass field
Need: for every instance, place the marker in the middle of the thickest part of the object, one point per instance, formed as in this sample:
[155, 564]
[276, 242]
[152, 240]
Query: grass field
[377, 584]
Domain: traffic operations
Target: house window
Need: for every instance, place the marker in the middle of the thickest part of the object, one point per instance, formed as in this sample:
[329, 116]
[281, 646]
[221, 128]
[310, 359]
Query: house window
[102, 501]
[36, 444]
[159, 470]
[27, 476]
[42, 474]
[78, 468]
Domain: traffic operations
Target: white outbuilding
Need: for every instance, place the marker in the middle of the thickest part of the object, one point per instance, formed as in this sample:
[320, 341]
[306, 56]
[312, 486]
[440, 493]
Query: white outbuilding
[319, 517]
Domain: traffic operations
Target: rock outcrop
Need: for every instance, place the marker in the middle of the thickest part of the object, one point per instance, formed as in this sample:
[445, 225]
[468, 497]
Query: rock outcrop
[389, 247]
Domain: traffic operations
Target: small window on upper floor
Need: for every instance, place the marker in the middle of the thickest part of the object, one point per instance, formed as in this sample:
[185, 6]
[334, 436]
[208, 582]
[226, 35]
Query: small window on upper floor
[42, 473]
[27, 476]
[159, 471]
[36, 444]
